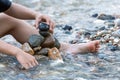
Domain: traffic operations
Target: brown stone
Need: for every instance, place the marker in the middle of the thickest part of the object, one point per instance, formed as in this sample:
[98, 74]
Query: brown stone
[49, 42]
[54, 54]
[26, 47]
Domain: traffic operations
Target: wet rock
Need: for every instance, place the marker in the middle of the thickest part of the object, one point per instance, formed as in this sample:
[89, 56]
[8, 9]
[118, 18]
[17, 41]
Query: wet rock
[26, 47]
[102, 28]
[87, 34]
[44, 33]
[57, 43]
[43, 51]
[49, 42]
[67, 27]
[35, 40]
[43, 26]
[110, 23]
[54, 54]
[105, 17]
[74, 41]
[44, 29]
[95, 15]
[114, 48]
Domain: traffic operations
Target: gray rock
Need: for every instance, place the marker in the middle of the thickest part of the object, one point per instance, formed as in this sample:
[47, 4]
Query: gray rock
[35, 40]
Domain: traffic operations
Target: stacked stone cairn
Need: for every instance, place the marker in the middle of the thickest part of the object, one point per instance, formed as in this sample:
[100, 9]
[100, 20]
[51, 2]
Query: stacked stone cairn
[44, 43]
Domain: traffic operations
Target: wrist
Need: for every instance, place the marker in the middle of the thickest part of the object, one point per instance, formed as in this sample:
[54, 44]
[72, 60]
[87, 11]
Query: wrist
[17, 52]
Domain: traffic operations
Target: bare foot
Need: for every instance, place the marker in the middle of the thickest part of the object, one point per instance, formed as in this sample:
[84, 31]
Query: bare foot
[92, 47]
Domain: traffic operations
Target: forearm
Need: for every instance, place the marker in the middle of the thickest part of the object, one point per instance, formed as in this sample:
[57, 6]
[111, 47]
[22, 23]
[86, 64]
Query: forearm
[8, 49]
[21, 12]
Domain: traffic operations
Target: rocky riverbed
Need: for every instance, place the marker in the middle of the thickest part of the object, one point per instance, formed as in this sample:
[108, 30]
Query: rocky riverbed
[76, 22]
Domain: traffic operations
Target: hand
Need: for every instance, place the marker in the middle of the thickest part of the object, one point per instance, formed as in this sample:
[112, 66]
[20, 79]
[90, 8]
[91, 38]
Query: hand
[44, 18]
[26, 60]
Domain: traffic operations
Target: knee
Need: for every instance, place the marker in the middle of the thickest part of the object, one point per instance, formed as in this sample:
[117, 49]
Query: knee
[4, 17]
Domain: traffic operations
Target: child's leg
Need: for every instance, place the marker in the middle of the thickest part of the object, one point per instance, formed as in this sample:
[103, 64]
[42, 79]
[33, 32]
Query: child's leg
[20, 30]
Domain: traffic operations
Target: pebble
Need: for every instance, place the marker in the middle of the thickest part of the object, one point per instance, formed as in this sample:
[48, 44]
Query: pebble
[114, 48]
[95, 15]
[105, 17]
[67, 27]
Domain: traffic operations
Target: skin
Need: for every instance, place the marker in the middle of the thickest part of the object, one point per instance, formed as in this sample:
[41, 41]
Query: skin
[11, 23]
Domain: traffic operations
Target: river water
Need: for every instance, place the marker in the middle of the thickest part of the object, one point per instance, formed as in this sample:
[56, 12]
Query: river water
[105, 65]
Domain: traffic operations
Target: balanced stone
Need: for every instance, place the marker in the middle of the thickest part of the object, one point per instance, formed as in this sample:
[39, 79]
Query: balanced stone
[49, 42]
[44, 29]
[35, 40]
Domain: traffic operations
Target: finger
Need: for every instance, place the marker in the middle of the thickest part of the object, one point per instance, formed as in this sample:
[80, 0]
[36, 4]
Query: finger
[30, 65]
[33, 63]
[48, 20]
[36, 62]
[25, 66]
[37, 22]
[52, 26]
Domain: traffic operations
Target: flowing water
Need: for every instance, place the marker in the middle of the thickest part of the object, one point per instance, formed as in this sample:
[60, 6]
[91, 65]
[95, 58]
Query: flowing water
[105, 65]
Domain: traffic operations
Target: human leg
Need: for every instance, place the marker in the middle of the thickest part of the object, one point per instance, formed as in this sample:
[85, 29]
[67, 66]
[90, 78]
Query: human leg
[19, 29]
[91, 46]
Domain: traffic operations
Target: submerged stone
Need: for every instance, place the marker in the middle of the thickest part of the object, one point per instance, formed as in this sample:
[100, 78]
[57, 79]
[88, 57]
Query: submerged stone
[67, 27]
[95, 15]
[105, 17]
[114, 48]
[35, 40]
[102, 28]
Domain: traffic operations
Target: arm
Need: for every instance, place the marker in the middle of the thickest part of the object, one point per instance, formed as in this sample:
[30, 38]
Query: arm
[22, 12]
[25, 59]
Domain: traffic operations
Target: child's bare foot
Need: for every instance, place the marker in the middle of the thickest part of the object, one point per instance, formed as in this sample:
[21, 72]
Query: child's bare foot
[92, 46]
